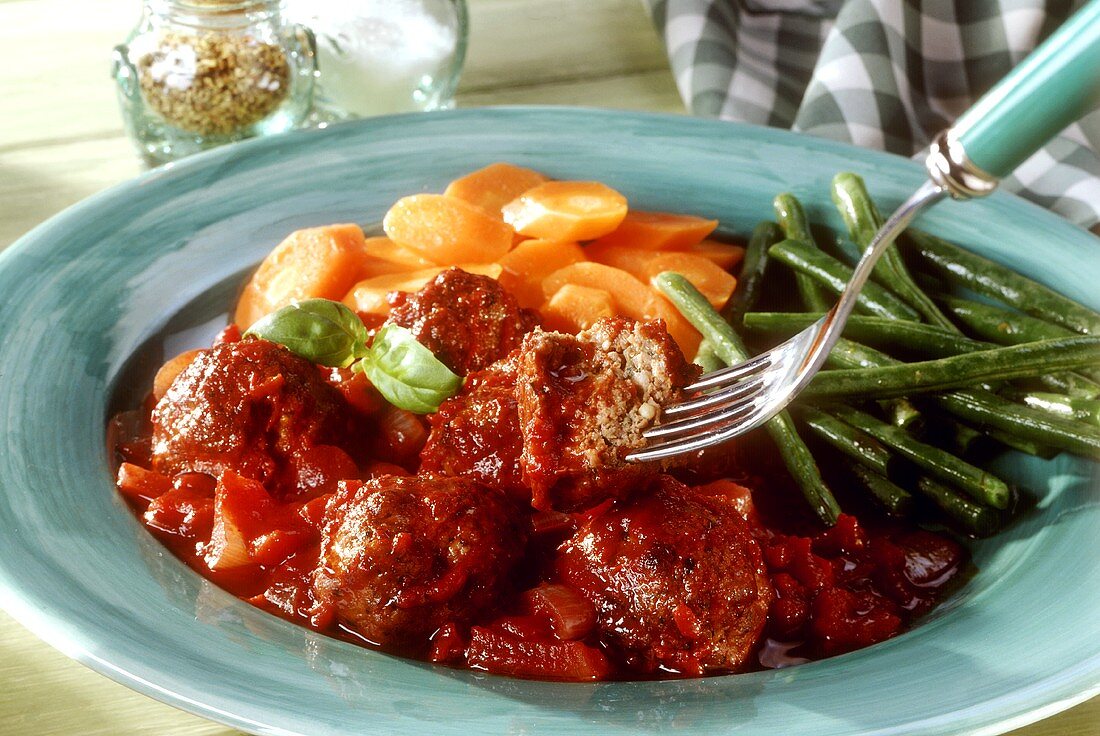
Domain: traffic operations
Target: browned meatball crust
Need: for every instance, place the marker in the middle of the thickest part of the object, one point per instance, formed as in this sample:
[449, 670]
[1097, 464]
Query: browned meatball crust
[476, 433]
[467, 321]
[403, 555]
[246, 406]
[676, 576]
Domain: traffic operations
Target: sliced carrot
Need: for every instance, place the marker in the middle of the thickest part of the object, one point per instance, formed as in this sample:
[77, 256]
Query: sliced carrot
[447, 230]
[526, 265]
[316, 262]
[494, 186]
[660, 231]
[633, 298]
[723, 255]
[574, 308]
[369, 295]
[566, 210]
[714, 283]
[634, 261]
[384, 249]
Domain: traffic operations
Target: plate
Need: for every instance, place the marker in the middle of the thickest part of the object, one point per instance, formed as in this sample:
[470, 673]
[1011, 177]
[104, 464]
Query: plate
[95, 297]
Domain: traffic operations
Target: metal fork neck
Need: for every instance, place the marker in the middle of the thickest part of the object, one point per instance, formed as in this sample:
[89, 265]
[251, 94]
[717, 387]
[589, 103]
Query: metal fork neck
[952, 170]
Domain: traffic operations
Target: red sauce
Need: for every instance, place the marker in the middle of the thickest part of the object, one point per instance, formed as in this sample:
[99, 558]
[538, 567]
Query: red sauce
[303, 506]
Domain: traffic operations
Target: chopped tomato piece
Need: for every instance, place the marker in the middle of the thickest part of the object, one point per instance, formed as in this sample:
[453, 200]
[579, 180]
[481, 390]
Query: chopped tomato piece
[571, 615]
[140, 484]
[507, 654]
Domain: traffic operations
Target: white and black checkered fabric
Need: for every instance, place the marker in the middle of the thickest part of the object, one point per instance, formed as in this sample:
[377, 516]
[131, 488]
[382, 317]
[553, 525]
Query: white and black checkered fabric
[886, 74]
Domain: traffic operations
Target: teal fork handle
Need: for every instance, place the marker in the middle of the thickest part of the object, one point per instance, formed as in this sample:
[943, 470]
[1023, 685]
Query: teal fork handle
[1054, 86]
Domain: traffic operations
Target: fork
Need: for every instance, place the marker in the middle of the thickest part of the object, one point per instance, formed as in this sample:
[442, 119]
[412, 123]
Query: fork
[1054, 86]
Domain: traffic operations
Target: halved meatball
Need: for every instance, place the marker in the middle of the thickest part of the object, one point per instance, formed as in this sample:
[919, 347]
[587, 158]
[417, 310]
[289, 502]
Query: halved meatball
[676, 576]
[467, 321]
[248, 406]
[554, 421]
[584, 402]
[403, 555]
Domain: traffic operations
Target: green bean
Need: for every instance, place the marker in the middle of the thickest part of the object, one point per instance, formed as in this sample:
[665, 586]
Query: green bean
[990, 411]
[753, 267]
[902, 413]
[795, 226]
[1000, 325]
[897, 501]
[1082, 410]
[969, 369]
[1022, 444]
[974, 518]
[982, 275]
[1012, 328]
[727, 345]
[887, 334]
[975, 482]
[855, 443]
[835, 276]
[962, 438]
[707, 359]
[864, 221]
[847, 354]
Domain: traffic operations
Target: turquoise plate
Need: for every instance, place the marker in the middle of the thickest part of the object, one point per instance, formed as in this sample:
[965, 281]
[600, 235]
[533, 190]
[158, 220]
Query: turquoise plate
[94, 298]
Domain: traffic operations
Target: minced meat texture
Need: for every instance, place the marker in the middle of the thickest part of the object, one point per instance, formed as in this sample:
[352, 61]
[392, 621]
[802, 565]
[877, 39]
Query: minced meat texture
[476, 433]
[402, 556]
[246, 406]
[677, 579]
[467, 321]
[553, 422]
[584, 402]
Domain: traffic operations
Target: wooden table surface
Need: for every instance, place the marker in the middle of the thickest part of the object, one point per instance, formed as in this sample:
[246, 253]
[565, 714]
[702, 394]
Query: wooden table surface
[61, 140]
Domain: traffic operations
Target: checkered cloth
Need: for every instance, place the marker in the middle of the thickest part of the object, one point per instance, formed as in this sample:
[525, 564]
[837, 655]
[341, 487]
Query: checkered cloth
[885, 74]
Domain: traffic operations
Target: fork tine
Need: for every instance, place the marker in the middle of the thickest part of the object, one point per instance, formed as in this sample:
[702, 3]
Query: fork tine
[699, 422]
[726, 394]
[740, 370]
[693, 442]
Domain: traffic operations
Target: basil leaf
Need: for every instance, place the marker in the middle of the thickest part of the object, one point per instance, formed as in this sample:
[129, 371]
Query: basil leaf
[319, 330]
[406, 373]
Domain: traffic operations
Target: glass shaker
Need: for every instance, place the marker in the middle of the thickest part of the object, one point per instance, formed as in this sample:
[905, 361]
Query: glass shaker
[376, 57]
[195, 74]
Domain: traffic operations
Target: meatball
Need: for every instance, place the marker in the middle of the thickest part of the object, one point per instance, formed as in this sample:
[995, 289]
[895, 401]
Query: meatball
[467, 321]
[584, 402]
[476, 433]
[676, 576]
[248, 406]
[553, 422]
[403, 555]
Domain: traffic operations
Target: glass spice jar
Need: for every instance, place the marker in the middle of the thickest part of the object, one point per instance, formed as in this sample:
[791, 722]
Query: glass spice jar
[195, 74]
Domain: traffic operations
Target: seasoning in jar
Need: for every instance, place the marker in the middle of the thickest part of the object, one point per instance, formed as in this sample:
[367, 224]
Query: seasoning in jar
[213, 83]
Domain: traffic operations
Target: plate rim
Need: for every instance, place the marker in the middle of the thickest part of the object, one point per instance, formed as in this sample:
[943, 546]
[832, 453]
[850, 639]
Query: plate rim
[53, 631]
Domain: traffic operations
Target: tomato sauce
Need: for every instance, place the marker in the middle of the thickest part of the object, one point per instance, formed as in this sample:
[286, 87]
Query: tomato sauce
[300, 490]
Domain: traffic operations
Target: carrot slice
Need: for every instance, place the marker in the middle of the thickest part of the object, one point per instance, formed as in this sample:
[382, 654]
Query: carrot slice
[494, 186]
[369, 295]
[526, 265]
[633, 298]
[634, 261]
[382, 248]
[711, 281]
[447, 230]
[566, 210]
[574, 308]
[316, 262]
[660, 231]
[723, 255]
